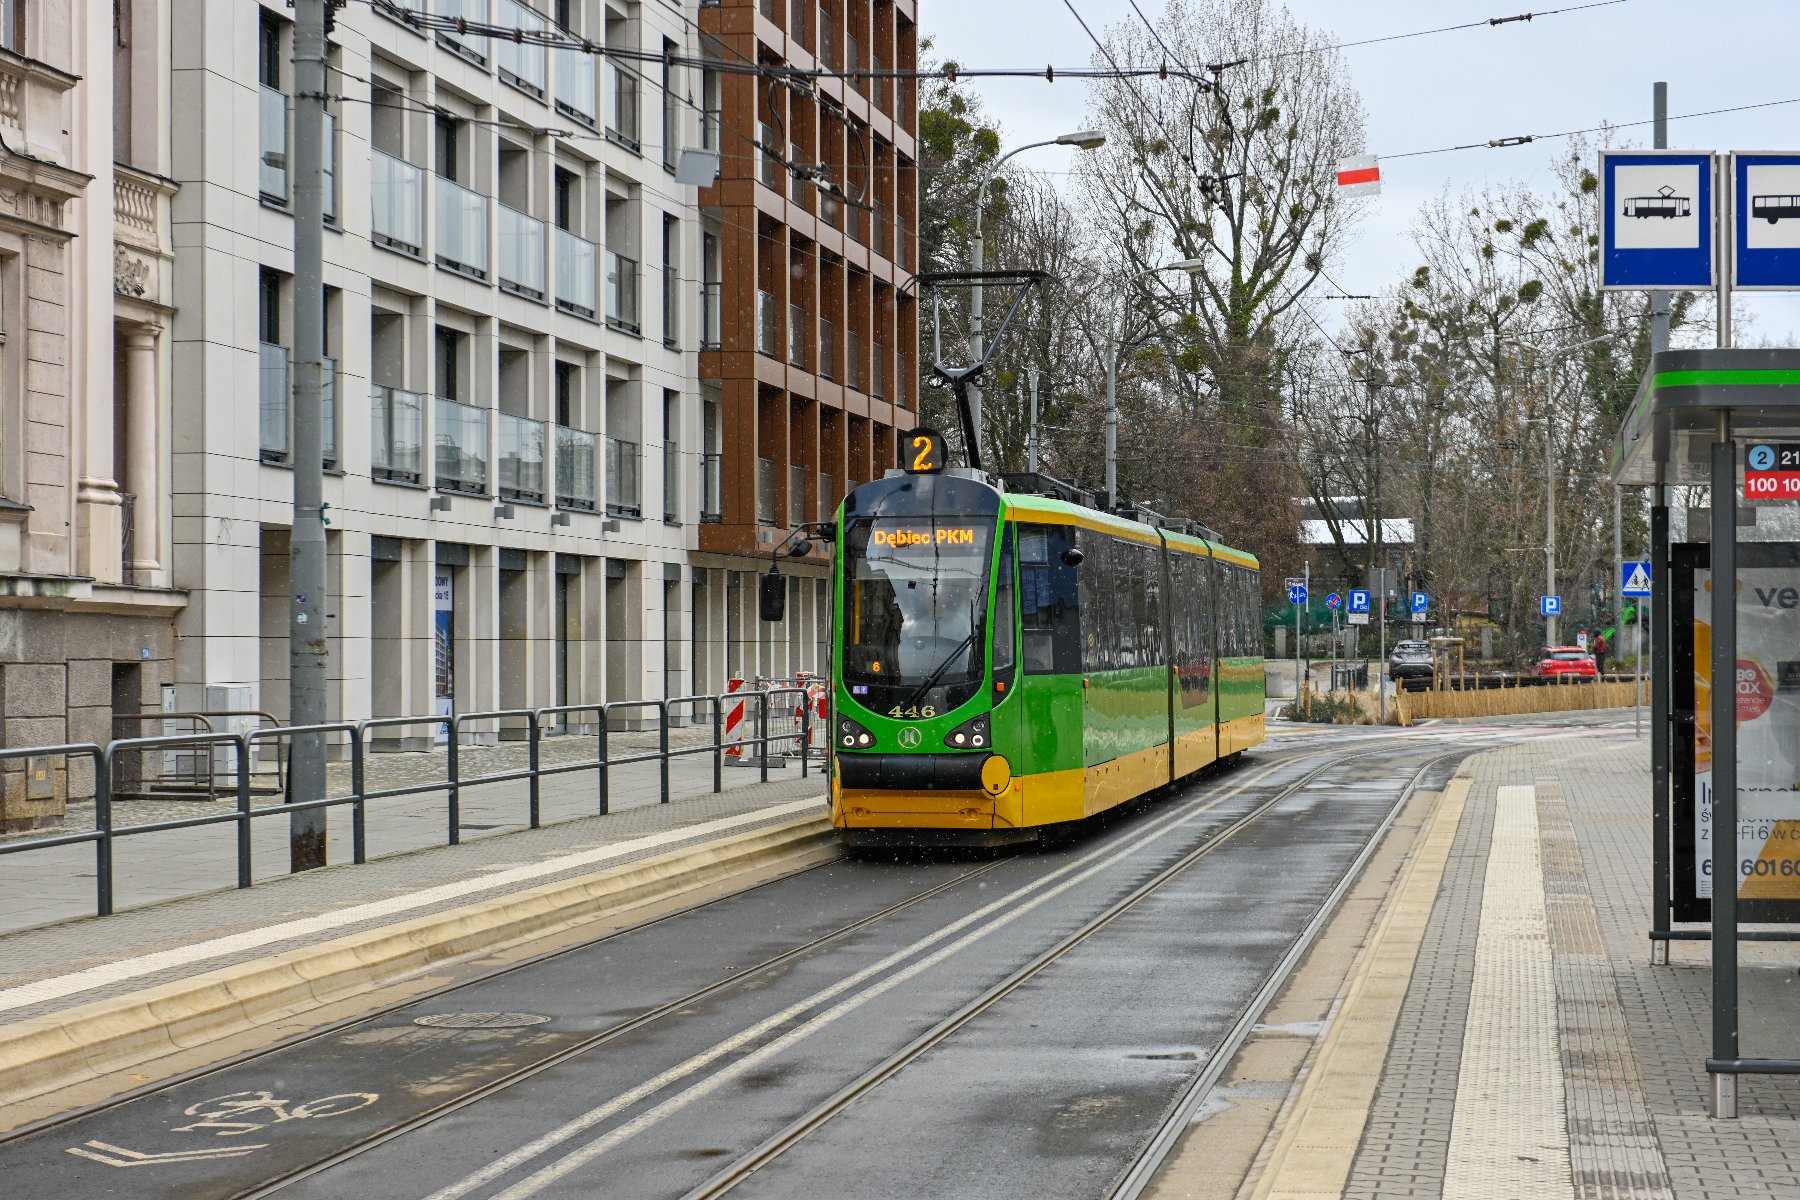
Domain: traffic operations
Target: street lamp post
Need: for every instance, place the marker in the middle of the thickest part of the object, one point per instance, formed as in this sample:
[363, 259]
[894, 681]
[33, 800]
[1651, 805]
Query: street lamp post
[1084, 139]
[1550, 474]
[1190, 265]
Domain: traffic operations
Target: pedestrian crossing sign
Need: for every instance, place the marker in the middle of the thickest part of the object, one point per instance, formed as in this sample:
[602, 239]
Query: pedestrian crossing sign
[1634, 579]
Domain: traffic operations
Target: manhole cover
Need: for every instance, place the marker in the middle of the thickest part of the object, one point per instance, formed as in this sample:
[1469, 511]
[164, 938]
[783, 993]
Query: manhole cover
[479, 1020]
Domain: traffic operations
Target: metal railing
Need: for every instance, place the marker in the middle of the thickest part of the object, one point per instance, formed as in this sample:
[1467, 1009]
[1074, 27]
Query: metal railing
[796, 496]
[622, 114]
[797, 332]
[711, 316]
[790, 708]
[574, 85]
[765, 491]
[765, 323]
[712, 489]
[853, 370]
[827, 348]
[771, 155]
[473, 47]
[672, 482]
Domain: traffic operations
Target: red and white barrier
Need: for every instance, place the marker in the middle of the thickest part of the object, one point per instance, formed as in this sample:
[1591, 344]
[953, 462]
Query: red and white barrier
[734, 722]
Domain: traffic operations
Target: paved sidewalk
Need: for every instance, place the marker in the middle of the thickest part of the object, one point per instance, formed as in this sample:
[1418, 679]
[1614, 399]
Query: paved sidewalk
[1537, 1053]
[50, 968]
[58, 884]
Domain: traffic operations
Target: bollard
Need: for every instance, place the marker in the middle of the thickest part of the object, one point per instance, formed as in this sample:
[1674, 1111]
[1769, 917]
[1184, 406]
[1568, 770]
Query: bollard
[718, 744]
[243, 806]
[762, 734]
[532, 758]
[605, 768]
[359, 833]
[662, 713]
[453, 792]
[103, 822]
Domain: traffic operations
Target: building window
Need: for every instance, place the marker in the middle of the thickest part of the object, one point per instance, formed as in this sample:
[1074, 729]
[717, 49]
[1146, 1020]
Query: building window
[450, 345]
[567, 200]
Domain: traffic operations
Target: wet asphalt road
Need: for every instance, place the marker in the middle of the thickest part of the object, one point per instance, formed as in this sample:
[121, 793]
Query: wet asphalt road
[673, 1050]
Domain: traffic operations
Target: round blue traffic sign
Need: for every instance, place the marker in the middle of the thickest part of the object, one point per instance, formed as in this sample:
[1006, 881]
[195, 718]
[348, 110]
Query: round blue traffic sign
[1333, 600]
[1297, 594]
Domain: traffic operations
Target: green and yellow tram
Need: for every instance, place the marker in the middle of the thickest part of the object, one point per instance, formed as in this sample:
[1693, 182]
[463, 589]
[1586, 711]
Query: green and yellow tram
[1006, 663]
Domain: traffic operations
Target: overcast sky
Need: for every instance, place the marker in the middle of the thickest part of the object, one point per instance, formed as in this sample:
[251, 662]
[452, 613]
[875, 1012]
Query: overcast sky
[1555, 73]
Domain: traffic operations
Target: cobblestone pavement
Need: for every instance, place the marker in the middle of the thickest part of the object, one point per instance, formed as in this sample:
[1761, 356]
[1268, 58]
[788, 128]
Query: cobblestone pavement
[1632, 1037]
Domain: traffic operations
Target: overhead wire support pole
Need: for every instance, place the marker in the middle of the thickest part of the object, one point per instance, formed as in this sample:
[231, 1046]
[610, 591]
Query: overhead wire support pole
[307, 645]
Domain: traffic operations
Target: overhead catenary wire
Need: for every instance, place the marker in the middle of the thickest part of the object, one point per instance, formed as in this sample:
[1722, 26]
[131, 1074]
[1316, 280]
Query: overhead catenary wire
[1528, 139]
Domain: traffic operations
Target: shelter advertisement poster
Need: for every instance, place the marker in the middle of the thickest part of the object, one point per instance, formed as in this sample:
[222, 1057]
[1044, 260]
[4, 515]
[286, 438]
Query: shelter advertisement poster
[1768, 714]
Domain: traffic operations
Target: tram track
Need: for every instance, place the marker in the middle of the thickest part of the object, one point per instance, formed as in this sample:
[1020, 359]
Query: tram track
[1094, 860]
[1138, 1175]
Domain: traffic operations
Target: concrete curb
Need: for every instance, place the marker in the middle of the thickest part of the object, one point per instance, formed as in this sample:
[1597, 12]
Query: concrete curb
[45, 1053]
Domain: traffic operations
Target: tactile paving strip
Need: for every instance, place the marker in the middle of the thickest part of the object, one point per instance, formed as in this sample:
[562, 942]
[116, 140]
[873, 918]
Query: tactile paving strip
[1510, 1136]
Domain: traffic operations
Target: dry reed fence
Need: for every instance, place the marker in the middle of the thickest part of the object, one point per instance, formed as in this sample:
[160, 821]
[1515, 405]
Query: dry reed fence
[1506, 702]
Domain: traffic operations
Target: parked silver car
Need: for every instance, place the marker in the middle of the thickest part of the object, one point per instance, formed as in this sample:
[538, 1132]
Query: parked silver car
[1410, 660]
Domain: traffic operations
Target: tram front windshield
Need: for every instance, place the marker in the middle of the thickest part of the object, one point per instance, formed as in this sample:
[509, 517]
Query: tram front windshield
[915, 598]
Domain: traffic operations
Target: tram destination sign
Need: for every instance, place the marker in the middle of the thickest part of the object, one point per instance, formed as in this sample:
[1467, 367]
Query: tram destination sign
[1772, 471]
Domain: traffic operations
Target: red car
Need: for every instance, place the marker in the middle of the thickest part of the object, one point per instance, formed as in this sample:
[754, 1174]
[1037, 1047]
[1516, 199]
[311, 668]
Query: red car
[1565, 660]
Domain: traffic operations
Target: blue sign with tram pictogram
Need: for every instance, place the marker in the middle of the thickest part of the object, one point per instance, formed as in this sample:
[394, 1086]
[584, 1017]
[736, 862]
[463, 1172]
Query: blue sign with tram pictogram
[1658, 224]
[1333, 600]
[1359, 600]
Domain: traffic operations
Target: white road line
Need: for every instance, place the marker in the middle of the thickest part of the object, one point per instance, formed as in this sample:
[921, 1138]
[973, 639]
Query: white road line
[1095, 861]
[58, 986]
[1510, 1133]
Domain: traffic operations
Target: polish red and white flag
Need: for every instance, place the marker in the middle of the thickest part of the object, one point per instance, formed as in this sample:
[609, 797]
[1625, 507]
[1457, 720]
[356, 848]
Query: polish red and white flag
[1359, 176]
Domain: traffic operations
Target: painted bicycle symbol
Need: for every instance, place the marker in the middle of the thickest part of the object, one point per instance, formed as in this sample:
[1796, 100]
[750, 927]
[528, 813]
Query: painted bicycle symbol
[232, 1115]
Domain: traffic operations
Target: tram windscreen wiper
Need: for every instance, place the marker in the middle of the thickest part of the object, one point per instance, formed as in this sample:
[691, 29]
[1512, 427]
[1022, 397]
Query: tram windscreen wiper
[937, 672]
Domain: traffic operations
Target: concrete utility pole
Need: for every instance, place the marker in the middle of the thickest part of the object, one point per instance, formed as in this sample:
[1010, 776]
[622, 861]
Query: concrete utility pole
[1031, 436]
[307, 651]
[1549, 513]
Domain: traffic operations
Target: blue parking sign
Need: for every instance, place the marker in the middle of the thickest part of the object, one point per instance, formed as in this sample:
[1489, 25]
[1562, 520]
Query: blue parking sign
[1552, 606]
[1420, 602]
[1359, 600]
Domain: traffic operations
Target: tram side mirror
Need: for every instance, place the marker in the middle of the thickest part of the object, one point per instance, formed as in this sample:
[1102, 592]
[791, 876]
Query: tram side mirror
[800, 549]
[771, 597]
[1073, 556]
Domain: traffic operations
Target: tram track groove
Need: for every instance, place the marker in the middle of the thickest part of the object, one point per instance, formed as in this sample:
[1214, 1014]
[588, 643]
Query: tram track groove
[797, 1131]
[611, 1032]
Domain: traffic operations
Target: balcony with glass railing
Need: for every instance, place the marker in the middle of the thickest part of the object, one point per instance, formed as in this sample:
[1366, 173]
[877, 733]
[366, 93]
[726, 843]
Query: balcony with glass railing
[766, 8]
[796, 496]
[827, 497]
[473, 48]
[797, 19]
[622, 106]
[397, 193]
[765, 491]
[797, 331]
[712, 488]
[272, 402]
[521, 252]
[853, 369]
[711, 315]
[671, 483]
[272, 133]
[771, 155]
[827, 349]
[328, 413]
[522, 459]
[575, 85]
[521, 63]
[462, 229]
[901, 366]
[624, 497]
[765, 323]
[331, 169]
[577, 468]
[576, 284]
[799, 187]
[397, 428]
[622, 293]
[878, 373]
[671, 305]
[827, 41]
[462, 449]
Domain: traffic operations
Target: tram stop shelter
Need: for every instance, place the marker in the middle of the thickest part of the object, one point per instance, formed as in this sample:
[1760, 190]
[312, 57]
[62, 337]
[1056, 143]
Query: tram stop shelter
[1725, 761]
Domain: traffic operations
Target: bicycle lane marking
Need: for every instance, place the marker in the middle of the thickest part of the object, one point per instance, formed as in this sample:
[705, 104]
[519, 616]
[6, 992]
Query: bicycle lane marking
[213, 1114]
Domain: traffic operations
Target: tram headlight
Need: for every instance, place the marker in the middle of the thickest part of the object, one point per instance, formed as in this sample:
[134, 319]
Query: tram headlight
[851, 736]
[973, 734]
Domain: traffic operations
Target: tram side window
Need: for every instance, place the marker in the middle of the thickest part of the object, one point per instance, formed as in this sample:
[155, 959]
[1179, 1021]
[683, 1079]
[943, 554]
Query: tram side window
[1150, 616]
[1099, 601]
[1003, 610]
[1049, 601]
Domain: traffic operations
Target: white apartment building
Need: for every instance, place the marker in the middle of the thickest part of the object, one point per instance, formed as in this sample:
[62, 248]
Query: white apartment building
[514, 426]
